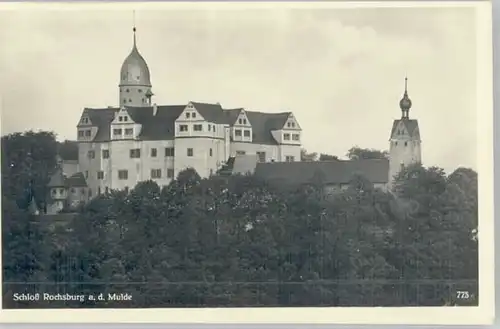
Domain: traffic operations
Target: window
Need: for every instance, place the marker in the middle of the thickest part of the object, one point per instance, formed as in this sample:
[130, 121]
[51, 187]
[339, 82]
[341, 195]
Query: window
[209, 126]
[190, 152]
[153, 153]
[124, 100]
[155, 173]
[406, 143]
[98, 190]
[246, 133]
[290, 158]
[87, 133]
[240, 152]
[237, 133]
[129, 131]
[188, 115]
[100, 175]
[194, 115]
[286, 137]
[183, 127]
[170, 173]
[81, 133]
[86, 174]
[91, 154]
[296, 137]
[85, 120]
[122, 174]
[125, 119]
[130, 100]
[105, 154]
[128, 90]
[73, 190]
[395, 143]
[117, 132]
[126, 189]
[214, 128]
[120, 119]
[289, 124]
[261, 156]
[135, 153]
[169, 152]
[244, 121]
[140, 90]
[240, 121]
[106, 190]
[211, 153]
[198, 127]
[293, 124]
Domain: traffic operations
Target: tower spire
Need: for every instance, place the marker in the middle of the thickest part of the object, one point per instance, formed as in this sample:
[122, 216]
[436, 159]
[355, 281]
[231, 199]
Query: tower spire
[405, 102]
[134, 29]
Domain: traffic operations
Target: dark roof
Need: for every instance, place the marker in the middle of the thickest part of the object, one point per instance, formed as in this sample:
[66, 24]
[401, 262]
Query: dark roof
[161, 125]
[76, 180]
[59, 180]
[410, 124]
[329, 172]
[263, 123]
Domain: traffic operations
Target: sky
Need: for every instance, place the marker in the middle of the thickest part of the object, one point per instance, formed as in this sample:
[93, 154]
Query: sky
[339, 70]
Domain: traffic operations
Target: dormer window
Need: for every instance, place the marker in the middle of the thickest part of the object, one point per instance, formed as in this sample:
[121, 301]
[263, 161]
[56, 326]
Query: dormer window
[240, 121]
[87, 133]
[237, 133]
[188, 115]
[286, 137]
[120, 119]
[289, 125]
[125, 119]
[194, 115]
[246, 133]
[293, 124]
[296, 137]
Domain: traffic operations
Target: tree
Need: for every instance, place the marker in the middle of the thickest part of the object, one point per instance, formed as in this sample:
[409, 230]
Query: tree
[357, 153]
[304, 156]
[327, 157]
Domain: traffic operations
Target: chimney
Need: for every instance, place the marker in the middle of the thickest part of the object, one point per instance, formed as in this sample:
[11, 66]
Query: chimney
[155, 109]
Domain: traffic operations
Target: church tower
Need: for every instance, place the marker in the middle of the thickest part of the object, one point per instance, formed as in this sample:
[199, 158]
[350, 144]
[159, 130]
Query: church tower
[405, 140]
[135, 80]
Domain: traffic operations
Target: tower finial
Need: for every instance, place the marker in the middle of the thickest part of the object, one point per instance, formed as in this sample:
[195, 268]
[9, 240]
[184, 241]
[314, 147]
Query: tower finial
[134, 29]
[405, 102]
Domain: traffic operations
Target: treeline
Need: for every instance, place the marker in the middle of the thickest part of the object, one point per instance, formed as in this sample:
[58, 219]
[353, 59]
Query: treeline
[240, 241]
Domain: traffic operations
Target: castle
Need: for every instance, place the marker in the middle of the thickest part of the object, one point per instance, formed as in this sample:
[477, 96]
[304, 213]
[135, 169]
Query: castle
[139, 140]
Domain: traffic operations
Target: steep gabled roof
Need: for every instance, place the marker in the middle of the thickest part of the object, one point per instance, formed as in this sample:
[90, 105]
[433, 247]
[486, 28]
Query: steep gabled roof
[232, 115]
[264, 123]
[76, 180]
[161, 126]
[57, 179]
[410, 124]
[211, 112]
[330, 172]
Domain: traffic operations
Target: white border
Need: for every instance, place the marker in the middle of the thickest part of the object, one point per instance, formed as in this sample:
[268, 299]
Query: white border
[483, 314]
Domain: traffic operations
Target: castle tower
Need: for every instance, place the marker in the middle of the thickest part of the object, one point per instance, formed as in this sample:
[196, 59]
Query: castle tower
[405, 140]
[135, 80]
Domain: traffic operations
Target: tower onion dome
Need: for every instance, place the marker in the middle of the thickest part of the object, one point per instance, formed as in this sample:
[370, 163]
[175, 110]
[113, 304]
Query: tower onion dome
[135, 71]
[405, 102]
